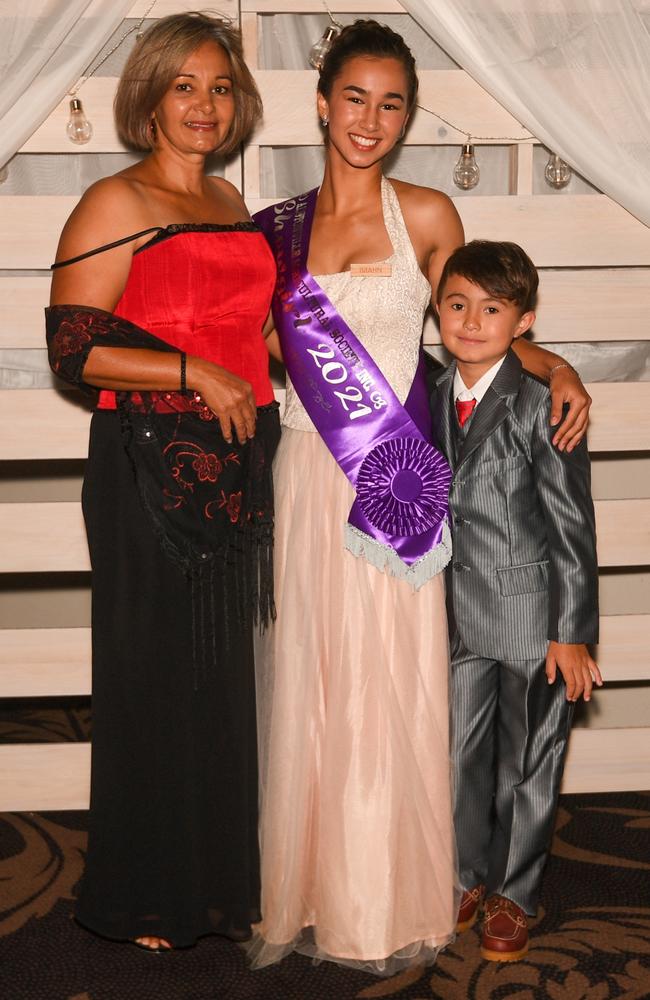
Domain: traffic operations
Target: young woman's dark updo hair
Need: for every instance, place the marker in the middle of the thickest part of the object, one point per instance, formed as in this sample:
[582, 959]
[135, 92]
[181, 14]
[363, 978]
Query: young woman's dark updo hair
[368, 38]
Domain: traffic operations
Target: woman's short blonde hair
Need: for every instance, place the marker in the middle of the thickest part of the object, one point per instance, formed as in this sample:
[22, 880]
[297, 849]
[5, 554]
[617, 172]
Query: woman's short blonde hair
[157, 59]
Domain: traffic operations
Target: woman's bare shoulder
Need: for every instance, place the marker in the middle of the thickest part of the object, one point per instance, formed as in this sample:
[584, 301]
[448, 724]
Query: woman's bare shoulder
[109, 210]
[229, 194]
[119, 193]
[415, 197]
[431, 217]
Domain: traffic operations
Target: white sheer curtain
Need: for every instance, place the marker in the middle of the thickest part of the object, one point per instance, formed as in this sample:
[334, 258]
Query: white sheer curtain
[45, 45]
[576, 73]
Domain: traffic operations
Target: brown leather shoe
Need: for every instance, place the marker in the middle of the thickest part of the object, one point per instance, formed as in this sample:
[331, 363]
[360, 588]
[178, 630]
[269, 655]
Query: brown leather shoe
[470, 903]
[505, 931]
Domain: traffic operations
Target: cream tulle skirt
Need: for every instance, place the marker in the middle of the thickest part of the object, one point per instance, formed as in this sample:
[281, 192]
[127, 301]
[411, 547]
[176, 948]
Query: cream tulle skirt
[358, 854]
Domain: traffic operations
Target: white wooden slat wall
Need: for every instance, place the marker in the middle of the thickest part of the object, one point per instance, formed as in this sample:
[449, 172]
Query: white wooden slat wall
[67, 416]
[590, 305]
[601, 293]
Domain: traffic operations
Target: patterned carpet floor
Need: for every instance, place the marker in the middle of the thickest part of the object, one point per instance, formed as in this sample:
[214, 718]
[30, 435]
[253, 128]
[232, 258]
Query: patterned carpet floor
[590, 941]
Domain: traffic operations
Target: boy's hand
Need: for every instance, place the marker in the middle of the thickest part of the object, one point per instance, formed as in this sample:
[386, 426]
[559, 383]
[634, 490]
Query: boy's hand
[576, 666]
[566, 387]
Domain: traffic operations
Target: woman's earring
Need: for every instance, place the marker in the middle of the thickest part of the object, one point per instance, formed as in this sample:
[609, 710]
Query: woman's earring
[324, 121]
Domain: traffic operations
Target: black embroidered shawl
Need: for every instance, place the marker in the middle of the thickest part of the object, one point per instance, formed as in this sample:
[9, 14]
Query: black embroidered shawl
[210, 502]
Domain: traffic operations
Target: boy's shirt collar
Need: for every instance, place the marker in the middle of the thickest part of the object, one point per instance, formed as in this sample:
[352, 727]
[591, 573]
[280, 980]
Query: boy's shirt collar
[480, 387]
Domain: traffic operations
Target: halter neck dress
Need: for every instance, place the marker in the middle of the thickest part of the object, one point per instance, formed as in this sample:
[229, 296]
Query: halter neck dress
[358, 857]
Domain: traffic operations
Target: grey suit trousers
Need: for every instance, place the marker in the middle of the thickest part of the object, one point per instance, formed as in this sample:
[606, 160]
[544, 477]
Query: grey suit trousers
[509, 738]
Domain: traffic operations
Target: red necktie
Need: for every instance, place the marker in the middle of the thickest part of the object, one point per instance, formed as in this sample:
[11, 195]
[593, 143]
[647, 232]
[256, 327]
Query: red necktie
[464, 409]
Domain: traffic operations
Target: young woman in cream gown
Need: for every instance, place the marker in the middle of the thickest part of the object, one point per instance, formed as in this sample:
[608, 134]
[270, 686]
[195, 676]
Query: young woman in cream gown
[358, 854]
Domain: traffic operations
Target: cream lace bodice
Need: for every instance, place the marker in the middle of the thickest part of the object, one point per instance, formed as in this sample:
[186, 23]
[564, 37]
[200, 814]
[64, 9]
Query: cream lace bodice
[385, 313]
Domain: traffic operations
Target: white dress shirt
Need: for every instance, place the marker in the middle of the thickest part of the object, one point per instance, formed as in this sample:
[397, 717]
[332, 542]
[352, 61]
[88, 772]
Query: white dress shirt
[480, 387]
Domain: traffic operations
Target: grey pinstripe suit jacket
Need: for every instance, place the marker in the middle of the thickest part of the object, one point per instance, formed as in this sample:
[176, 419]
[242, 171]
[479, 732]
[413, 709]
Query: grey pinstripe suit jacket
[524, 569]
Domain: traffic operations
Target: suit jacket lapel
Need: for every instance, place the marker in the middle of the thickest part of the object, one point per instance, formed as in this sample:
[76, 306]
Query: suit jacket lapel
[494, 407]
[442, 428]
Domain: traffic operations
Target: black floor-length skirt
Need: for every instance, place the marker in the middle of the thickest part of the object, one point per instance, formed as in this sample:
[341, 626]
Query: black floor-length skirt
[173, 846]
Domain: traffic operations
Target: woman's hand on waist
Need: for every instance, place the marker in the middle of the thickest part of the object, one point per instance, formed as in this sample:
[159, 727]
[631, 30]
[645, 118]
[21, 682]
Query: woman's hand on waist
[130, 369]
[230, 397]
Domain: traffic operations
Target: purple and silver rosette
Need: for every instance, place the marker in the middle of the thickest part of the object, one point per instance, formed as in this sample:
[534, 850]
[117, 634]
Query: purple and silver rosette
[403, 486]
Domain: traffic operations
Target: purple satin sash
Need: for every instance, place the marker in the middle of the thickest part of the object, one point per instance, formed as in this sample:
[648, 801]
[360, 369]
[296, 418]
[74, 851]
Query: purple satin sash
[383, 447]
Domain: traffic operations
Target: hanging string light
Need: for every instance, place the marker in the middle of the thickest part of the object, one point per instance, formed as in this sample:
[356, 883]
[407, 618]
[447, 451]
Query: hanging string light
[466, 172]
[467, 169]
[319, 49]
[78, 129]
[557, 173]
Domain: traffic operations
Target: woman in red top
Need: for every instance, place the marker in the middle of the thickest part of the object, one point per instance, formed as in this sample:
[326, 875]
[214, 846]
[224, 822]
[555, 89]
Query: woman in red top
[162, 249]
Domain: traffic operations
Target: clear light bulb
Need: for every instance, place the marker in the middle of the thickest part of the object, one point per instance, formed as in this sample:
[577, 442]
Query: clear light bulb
[466, 171]
[79, 130]
[319, 49]
[557, 173]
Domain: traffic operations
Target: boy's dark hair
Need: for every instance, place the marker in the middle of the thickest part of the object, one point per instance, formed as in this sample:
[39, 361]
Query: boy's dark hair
[504, 270]
[368, 38]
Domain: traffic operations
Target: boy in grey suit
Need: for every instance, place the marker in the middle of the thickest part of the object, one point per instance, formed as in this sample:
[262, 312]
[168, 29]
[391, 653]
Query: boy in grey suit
[522, 590]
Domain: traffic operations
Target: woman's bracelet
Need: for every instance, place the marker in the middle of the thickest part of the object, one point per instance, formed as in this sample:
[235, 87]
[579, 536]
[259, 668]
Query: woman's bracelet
[563, 364]
[184, 372]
